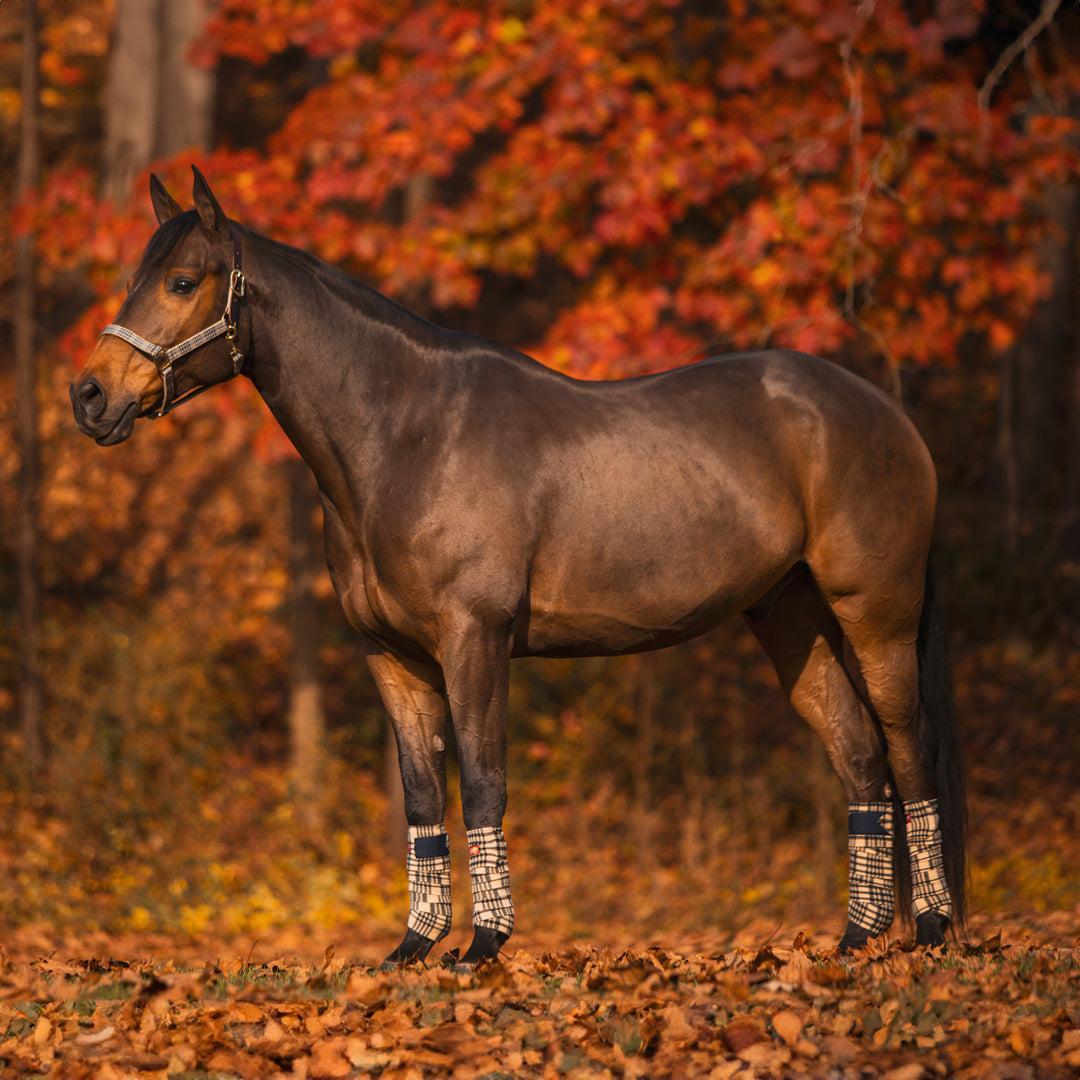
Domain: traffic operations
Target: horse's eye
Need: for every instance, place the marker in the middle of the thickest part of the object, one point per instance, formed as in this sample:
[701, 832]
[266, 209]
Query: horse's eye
[183, 285]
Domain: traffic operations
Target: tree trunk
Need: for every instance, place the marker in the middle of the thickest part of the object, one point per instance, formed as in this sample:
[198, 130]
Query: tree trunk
[1006, 449]
[185, 93]
[156, 103]
[307, 722]
[24, 346]
[1070, 502]
[641, 773]
[130, 97]
[1040, 354]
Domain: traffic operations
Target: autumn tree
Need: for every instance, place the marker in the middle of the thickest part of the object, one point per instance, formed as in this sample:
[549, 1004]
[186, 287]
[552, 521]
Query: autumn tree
[661, 168]
[26, 370]
[157, 104]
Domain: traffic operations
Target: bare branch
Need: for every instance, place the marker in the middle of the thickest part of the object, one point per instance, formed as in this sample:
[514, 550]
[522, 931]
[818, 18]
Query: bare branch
[1020, 45]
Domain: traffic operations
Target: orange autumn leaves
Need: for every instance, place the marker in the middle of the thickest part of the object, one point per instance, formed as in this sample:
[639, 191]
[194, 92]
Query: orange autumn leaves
[986, 1012]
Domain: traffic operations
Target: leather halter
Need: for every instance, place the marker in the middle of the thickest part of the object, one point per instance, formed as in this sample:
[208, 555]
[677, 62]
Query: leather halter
[163, 357]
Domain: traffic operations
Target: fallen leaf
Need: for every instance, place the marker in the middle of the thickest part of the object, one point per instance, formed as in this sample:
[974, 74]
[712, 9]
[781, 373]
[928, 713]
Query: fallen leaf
[1020, 1042]
[42, 1031]
[744, 1031]
[246, 1012]
[788, 1025]
[96, 1038]
[912, 1071]
[840, 1047]
[329, 1057]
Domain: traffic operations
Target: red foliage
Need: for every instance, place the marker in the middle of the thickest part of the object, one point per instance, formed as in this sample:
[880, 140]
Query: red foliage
[671, 165]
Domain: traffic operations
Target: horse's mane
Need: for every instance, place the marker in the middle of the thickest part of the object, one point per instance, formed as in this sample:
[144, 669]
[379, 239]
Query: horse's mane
[376, 305]
[333, 277]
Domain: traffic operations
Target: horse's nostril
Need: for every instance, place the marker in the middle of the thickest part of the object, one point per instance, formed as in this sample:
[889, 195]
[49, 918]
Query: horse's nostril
[91, 397]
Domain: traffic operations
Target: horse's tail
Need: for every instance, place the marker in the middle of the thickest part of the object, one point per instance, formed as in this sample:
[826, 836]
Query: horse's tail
[939, 736]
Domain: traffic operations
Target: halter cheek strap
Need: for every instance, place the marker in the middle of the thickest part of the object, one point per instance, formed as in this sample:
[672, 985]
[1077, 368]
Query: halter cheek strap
[164, 358]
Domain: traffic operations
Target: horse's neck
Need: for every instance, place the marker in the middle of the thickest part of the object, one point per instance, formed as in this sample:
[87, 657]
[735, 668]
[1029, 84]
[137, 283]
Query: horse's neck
[334, 362]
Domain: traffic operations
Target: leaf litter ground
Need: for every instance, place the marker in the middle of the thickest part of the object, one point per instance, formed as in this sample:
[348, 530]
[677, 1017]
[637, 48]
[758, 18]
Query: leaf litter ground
[991, 1011]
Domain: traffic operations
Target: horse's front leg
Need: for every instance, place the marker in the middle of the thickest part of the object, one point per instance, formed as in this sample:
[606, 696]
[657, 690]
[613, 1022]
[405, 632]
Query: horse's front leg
[477, 684]
[413, 697]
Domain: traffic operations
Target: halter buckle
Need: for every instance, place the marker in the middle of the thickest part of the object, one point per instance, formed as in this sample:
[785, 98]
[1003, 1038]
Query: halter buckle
[235, 354]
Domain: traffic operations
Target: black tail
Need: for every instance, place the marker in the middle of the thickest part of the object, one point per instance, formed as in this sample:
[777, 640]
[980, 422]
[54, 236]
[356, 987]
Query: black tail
[939, 734]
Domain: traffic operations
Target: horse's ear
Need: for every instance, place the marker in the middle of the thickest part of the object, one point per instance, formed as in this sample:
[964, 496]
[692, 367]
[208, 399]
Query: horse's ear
[213, 217]
[165, 206]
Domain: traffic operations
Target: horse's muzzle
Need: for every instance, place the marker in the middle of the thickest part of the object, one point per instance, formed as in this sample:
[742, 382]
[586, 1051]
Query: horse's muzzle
[104, 424]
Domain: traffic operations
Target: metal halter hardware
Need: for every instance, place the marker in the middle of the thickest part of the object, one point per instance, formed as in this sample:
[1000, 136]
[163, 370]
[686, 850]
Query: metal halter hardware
[163, 357]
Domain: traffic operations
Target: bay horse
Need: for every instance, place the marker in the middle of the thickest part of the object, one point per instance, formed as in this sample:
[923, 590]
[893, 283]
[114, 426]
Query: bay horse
[480, 506]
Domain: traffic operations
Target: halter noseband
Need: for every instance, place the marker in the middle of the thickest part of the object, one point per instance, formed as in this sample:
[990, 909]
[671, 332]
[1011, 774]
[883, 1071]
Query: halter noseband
[163, 357]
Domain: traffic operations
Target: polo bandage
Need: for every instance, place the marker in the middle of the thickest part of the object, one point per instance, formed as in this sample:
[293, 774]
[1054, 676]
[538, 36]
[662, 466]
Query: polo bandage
[490, 873]
[428, 864]
[929, 891]
[870, 877]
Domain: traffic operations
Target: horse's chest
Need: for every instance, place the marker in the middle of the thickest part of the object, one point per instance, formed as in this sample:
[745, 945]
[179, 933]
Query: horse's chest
[367, 596]
[348, 570]
[355, 602]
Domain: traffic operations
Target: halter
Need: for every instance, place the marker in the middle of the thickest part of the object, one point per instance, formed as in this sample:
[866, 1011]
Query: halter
[163, 358]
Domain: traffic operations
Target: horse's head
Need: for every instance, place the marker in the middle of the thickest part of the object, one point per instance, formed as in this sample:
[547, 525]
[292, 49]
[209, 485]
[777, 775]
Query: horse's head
[174, 334]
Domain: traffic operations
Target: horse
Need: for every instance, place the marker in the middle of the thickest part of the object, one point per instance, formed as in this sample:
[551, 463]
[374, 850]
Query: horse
[480, 506]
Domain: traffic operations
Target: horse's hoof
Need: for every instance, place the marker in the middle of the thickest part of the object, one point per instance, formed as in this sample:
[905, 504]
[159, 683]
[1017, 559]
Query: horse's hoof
[855, 937]
[413, 949]
[930, 928]
[486, 944]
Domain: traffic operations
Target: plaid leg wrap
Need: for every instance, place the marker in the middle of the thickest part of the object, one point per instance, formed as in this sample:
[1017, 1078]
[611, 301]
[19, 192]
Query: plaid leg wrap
[490, 873]
[428, 863]
[870, 877]
[929, 892]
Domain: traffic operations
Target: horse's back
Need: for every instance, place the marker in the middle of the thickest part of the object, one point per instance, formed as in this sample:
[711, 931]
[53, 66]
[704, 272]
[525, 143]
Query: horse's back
[769, 427]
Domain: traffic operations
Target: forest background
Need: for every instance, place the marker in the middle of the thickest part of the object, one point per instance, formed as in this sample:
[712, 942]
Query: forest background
[191, 742]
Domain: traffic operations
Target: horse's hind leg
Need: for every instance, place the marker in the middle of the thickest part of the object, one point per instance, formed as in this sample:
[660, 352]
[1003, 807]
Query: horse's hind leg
[805, 644]
[882, 628]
